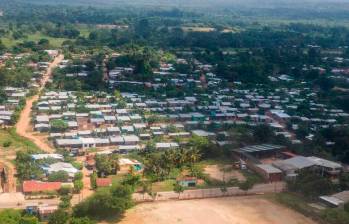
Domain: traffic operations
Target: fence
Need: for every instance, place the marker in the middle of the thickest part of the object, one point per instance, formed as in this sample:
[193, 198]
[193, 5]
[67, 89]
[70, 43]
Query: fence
[210, 193]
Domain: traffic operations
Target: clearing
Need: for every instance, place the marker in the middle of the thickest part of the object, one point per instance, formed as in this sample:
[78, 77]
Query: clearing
[233, 210]
[216, 172]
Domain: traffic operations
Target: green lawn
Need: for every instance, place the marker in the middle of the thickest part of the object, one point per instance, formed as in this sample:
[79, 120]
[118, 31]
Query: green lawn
[166, 185]
[54, 42]
[16, 142]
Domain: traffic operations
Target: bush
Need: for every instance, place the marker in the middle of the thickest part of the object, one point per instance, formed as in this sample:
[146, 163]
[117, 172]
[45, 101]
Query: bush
[59, 217]
[65, 190]
[78, 185]
[78, 176]
[10, 216]
[83, 220]
[60, 176]
[346, 207]
[7, 143]
[105, 202]
[335, 216]
[311, 185]
[58, 125]
[77, 165]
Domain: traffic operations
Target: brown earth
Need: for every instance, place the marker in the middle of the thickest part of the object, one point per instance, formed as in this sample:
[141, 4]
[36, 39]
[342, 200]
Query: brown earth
[216, 172]
[233, 210]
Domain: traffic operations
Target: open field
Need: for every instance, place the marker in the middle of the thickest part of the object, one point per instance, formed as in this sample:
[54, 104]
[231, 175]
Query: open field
[17, 143]
[54, 42]
[216, 172]
[9, 41]
[233, 210]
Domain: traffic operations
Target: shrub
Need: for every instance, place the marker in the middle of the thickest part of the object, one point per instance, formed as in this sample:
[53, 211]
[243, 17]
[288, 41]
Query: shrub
[7, 143]
[60, 176]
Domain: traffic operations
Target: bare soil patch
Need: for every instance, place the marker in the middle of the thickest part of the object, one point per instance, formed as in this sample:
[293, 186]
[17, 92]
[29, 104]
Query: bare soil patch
[216, 172]
[233, 210]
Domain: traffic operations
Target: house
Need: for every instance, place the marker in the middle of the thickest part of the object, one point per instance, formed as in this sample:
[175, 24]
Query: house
[33, 186]
[45, 211]
[131, 139]
[47, 156]
[187, 181]
[324, 167]
[166, 145]
[202, 133]
[61, 166]
[127, 164]
[336, 200]
[291, 166]
[68, 143]
[269, 172]
[331, 169]
[41, 127]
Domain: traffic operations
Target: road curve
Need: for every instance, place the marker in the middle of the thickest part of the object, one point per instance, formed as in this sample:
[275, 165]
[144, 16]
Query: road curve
[23, 126]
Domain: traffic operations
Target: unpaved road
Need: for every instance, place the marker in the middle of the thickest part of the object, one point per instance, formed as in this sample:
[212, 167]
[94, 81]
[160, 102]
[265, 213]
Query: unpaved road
[86, 191]
[233, 210]
[11, 178]
[23, 126]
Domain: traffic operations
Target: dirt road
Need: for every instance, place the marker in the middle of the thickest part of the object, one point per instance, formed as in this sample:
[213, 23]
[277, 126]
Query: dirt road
[233, 210]
[23, 126]
[86, 191]
[11, 183]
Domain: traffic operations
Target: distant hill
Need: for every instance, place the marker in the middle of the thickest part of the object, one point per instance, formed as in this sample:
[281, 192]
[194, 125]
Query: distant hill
[201, 3]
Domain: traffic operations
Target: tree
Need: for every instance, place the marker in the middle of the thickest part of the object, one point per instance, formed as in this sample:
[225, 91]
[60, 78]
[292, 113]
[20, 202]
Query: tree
[83, 220]
[146, 188]
[28, 220]
[65, 202]
[344, 181]
[78, 176]
[58, 125]
[202, 147]
[10, 216]
[246, 185]
[59, 217]
[93, 180]
[26, 169]
[117, 95]
[335, 216]
[178, 189]
[131, 180]
[106, 202]
[263, 133]
[311, 184]
[59, 176]
[107, 164]
[346, 207]
[78, 185]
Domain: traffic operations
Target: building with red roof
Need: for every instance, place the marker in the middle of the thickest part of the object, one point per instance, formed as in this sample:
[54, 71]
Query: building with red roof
[104, 182]
[32, 186]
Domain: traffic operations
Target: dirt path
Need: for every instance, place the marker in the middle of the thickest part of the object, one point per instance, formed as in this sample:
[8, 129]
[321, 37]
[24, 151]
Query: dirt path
[86, 191]
[11, 179]
[233, 210]
[23, 126]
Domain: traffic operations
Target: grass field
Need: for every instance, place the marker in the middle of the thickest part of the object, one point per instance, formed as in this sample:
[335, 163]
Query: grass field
[54, 42]
[16, 142]
[8, 41]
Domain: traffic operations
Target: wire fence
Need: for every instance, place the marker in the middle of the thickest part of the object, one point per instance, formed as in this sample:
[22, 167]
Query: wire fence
[210, 193]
